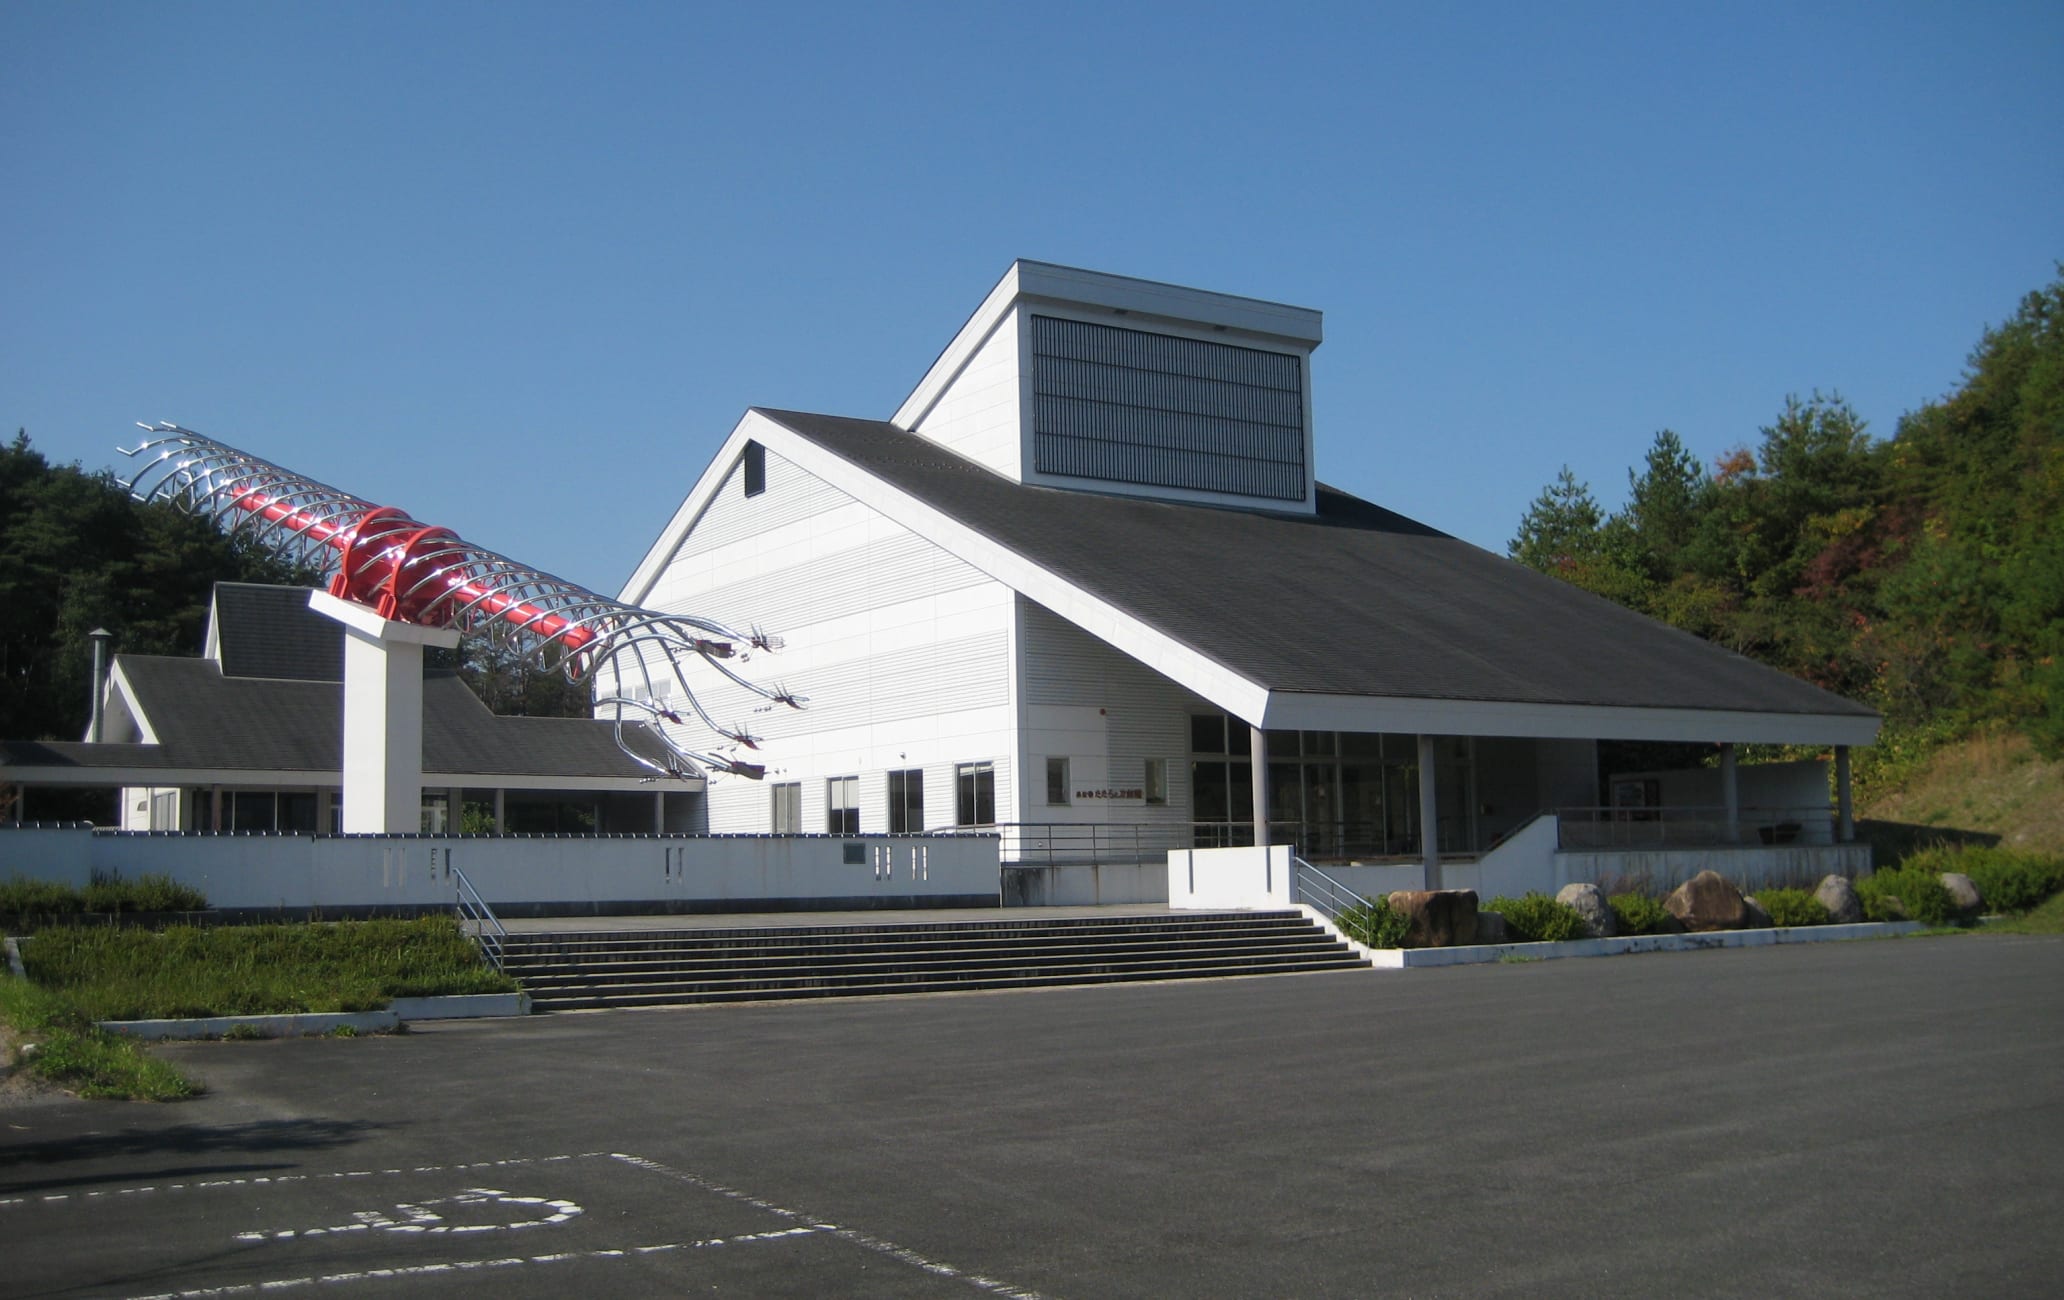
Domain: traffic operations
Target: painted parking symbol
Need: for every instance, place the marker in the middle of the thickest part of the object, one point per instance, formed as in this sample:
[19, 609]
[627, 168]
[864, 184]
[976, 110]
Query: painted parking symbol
[469, 1212]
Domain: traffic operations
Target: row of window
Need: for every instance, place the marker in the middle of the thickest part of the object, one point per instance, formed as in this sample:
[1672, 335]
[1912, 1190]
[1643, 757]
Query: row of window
[974, 801]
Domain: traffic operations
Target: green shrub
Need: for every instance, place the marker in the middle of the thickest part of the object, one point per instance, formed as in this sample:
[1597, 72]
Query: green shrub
[1640, 914]
[2011, 880]
[1538, 918]
[1793, 907]
[1375, 923]
[1917, 889]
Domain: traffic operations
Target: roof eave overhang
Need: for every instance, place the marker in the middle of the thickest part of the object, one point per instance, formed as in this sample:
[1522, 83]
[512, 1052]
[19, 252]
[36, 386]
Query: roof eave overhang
[1280, 709]
[1299, 710]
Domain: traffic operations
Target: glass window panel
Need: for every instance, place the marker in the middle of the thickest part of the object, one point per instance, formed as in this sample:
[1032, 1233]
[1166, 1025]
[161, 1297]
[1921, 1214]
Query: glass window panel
[1207, 734]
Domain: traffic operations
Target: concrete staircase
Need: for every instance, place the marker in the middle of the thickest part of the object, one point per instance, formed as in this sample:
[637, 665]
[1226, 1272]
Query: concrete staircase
[567, 971]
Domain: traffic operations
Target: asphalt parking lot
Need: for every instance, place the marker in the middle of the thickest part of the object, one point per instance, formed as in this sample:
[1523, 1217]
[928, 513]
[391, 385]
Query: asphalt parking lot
[1876, 1118]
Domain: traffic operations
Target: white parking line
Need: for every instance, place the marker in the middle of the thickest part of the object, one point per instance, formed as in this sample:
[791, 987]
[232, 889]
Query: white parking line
[216, 1183]
[417, 1218]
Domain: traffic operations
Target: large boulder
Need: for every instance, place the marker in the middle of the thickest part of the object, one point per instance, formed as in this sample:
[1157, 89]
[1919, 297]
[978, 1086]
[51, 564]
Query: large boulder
[1440, 918]
[1490, 927]
[1755, 916]
[1707, 901]
[1838, 896]
[1963, 895]
[1600, 922]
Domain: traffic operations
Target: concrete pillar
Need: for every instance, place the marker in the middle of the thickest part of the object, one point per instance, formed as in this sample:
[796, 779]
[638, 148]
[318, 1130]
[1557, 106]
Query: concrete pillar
[215, 808]
[501, 809]
[1257, 749]
[1730, 795]
[659, 812]
[383, 716]
[1429, 816]
[1845, 807]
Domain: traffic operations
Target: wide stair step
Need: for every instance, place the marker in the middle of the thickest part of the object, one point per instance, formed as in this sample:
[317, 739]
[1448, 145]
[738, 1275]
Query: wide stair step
[567, 971]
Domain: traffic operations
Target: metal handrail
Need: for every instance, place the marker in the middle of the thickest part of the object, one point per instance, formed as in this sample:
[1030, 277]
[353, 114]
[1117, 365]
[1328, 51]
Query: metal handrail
[487, 928]
[1312, 886]
[1687, 826]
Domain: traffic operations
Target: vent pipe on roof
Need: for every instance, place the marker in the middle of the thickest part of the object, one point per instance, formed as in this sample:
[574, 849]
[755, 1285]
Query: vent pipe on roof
[100, 637]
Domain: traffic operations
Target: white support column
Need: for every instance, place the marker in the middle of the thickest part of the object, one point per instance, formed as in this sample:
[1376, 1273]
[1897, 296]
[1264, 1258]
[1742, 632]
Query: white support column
[1257, 750]
[501, 808]
[383, 716]
[659, 812]
[1730, 795]
[1429, 816]
[1845, 806]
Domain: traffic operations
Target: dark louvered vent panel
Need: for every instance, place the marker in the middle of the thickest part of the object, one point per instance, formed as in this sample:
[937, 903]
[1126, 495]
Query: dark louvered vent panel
[1151, 409]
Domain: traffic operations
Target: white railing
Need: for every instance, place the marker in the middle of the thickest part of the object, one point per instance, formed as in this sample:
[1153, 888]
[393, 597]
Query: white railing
[478, 919]
[1691, 826]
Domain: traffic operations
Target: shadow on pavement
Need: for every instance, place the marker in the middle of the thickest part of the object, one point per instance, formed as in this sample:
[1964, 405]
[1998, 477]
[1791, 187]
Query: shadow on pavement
[256, 1138]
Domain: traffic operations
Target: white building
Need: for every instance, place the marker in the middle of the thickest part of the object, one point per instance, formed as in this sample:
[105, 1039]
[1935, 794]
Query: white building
[1087, 571]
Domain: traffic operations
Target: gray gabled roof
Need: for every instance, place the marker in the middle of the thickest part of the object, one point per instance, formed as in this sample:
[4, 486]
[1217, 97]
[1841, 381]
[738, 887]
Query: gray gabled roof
[209, 721]
[1355, 600]
[269, 631]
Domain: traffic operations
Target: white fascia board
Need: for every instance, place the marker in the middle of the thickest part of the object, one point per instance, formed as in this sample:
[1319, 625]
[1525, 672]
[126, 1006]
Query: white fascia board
[1213, 314]
[30, 774]
[1152, 647]
[649, 569]
[1301, 327]
[960, 350]
[119, 690]
[1289, 711]
[504, 781]
[166, 777]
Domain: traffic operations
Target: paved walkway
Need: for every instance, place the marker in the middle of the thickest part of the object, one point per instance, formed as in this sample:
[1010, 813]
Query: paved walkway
[777, 920]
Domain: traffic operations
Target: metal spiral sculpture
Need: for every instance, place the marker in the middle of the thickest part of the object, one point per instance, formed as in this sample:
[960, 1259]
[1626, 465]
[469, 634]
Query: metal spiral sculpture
[411, 572]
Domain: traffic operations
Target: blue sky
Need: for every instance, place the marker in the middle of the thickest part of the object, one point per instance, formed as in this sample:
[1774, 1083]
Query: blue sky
[518, 268]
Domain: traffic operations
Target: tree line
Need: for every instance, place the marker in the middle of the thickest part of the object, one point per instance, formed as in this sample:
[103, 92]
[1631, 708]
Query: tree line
[77, 552]
[1922, 574]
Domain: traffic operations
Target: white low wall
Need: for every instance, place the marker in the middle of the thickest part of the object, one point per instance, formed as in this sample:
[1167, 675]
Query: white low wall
[1088, 885]
[546, 875]
[1661, 870]
[1214, 878]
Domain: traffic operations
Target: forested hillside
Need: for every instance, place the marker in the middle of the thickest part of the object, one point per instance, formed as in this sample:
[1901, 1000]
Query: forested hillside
[77, 553]
[1922, 573]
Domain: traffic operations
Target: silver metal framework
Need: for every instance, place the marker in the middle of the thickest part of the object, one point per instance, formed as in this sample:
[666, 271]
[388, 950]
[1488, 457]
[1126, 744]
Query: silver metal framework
[410, 572]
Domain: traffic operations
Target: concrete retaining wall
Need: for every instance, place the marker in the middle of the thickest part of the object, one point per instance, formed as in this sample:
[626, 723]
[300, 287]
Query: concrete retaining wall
[520, 875]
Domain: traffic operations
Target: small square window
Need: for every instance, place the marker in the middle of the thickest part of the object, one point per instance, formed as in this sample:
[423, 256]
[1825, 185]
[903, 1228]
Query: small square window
[1154, 784]
[1057, 780]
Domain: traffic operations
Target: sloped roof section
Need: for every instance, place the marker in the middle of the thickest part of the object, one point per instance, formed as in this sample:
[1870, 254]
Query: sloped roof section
[1354, 600]
[215, 722]
[268, 631]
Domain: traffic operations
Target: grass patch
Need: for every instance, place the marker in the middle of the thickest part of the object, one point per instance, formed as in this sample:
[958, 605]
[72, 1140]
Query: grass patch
[2011, 880]
[65, 1048]
[1919, 891]
[187, 972]
[2046, 919]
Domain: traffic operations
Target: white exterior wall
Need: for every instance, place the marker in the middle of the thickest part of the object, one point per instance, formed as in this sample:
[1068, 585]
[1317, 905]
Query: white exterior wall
[1107, 713]
[901, 651]
[553, 872]
[979, 415]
